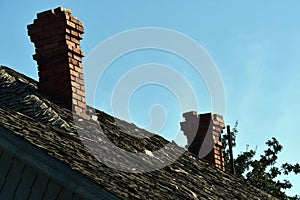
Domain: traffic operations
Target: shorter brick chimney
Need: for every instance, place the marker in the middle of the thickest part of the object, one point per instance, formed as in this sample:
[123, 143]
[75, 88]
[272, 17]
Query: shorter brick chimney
[56, 35]
[203, 133]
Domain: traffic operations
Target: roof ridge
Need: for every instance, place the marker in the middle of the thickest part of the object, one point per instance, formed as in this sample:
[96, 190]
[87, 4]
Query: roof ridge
[20, 76]
[20, 93]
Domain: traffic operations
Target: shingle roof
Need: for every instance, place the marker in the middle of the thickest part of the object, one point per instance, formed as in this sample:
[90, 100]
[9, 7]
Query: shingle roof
[43, 124]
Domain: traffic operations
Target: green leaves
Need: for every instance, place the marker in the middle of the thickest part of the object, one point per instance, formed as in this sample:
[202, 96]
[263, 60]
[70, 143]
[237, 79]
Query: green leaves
[262, 172]
[288, 168]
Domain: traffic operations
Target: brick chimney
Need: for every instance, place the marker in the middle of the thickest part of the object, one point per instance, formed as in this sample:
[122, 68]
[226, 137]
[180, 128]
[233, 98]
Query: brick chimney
[56, 35]
[203, 134]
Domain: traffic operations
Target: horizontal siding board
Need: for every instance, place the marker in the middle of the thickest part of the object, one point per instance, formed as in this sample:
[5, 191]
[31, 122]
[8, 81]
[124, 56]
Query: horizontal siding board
[65, 194]
[39, 187]
[77, 197]
[53, 190]
[12, 179]
[5, 163]
[24, 188]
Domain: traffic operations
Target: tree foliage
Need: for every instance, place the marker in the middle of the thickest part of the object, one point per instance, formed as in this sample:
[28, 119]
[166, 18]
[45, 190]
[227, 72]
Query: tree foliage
[262, 172]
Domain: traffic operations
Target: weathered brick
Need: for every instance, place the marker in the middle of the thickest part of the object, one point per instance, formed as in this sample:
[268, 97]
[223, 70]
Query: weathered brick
[73, 61]
[81, 93]
[80, 28]
[75, 84]
[81, 104]
[56, 35]
[197, 127]
[76, 41]
[71, 24]
[78, 110]
[74, 33]
[77, 57]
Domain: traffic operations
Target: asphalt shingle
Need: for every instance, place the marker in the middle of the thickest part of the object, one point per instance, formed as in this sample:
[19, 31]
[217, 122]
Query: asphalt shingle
[51, 128]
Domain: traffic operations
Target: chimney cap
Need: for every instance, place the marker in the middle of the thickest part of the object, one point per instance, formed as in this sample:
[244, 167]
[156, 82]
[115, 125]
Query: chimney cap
[53, 11]
[191, 114]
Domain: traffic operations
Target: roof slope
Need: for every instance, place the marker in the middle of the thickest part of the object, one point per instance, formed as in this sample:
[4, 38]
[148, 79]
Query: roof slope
[49, 127]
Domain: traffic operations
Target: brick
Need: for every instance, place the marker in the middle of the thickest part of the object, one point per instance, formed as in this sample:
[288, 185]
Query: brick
[45, 13]
[78, 109]
[75, 84]
[190, 114]
[62, 10]
[57, 38]
[81, 104]
[42, 41]
[217, 153]
[76, 96]
[218, 117]
[71, 66]
[71, 24]
[41, 51]
[68, 37]
[74, 33]
[70, 43]
[77, 57]
[77, 51]
[80, 35]
[76, 41]
[82, 53]
[81, 24]
[74, 73]
[34, 38]
[73, 78]
[219, 143]
[80, 28]
[45, 73]
[74, 19]
[51, 46]
[81, 76]
[74, 101]
[68, 16]
[70, 47]
[83, 98]
[78, 69]
[35, 31]
[81, 93]
[32, 26]
[73, 61]
[70, 54]
[35, 57]
[53, 26]
[80, 81]
[56, 35]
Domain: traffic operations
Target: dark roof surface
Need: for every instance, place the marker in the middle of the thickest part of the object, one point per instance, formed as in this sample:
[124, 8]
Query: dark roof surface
[42, 123]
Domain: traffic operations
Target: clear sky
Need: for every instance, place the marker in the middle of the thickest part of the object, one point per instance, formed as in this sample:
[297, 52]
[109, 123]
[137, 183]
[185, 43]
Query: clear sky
[255, 46]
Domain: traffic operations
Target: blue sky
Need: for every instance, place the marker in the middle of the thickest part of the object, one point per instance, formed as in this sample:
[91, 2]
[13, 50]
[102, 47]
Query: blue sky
[255, 46]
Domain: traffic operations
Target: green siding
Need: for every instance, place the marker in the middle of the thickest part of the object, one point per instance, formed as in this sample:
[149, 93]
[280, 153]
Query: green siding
[24, 188]
[20, 181]
[5, 165]
[12, 180]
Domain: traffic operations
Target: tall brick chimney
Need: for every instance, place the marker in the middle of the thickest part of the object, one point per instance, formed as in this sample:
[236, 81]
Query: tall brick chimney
[56, 35]
[203, 133]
